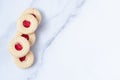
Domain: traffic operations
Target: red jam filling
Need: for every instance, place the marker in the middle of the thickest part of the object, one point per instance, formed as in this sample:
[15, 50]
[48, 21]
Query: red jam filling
[22, 58]
[18, 46]
[25, 36]
[26, 23]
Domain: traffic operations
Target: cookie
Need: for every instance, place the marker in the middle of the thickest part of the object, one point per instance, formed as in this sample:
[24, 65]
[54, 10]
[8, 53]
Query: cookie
[25, 61]
[19, 46]
[33, 12]
[30, 37]
[27, 24]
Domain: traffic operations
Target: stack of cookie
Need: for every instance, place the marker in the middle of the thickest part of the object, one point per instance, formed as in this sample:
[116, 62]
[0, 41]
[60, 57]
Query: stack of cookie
[25, 37]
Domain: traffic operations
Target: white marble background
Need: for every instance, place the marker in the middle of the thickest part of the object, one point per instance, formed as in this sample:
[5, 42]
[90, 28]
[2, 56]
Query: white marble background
[87, 47]
[56, 14]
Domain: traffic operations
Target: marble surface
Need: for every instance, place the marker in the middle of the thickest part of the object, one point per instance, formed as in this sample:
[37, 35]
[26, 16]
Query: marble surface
[56, 14]
[74, 41]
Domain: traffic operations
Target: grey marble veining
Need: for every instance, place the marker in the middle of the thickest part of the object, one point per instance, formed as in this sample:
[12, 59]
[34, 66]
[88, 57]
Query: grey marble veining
[56, 14]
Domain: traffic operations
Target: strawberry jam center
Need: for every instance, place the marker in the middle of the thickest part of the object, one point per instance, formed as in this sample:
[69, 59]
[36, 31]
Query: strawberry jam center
[18, 46]
[22, 58]
[25, 36]
[26, 23]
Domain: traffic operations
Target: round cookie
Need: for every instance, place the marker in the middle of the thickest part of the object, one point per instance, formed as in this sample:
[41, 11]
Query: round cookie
[25, 61]
[19, 46]
[30, 37]
[33, 12]
[27, 24]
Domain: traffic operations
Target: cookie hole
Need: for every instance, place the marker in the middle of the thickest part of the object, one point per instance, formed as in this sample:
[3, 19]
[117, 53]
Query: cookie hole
[22, 58]
[18, 47]
[26, 23]
[25, 36]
